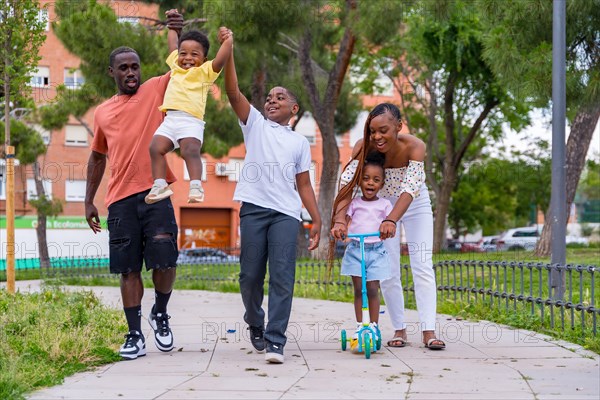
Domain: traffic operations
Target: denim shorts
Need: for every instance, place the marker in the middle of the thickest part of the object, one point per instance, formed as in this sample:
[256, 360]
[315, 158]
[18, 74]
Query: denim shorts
[377, 263]
[132, 229]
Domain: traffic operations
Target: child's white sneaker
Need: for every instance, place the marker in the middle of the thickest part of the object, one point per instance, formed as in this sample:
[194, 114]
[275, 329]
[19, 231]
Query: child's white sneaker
[158, 193]
[196, 194]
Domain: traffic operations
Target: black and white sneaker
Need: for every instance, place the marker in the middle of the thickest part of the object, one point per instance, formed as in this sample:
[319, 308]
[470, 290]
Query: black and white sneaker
[134, 346]
[274, 353]
[257, 338]
[163, 337]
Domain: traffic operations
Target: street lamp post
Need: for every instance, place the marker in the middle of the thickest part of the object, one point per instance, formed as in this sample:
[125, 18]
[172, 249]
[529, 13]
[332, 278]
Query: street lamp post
[558, 202]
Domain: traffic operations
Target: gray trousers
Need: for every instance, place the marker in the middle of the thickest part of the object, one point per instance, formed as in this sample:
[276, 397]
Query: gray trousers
[267, 235]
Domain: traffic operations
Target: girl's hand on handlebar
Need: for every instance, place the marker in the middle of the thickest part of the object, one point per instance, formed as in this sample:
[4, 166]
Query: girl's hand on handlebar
[339, 231]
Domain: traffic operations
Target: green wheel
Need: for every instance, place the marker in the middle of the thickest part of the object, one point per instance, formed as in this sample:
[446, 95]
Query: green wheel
[378, 343]
[367, 345]
[344, 339]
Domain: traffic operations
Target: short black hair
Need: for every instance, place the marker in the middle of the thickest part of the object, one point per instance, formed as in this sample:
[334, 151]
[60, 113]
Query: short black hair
[198, 37]
[120, 50]
[292, 96]
[377, 159]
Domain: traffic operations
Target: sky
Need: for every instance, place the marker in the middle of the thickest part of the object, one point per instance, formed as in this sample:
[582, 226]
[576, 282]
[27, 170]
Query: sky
[542, 128]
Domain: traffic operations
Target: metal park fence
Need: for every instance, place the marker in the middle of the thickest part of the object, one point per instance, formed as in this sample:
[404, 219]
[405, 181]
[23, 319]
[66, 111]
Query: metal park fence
[513, 286]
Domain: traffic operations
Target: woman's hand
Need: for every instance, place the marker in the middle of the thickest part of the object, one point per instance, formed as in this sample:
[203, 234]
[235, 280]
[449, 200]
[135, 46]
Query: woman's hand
[387, 229]
[339, 230]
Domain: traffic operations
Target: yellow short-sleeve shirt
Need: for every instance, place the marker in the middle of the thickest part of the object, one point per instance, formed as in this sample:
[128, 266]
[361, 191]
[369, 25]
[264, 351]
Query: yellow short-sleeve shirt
[188, 88]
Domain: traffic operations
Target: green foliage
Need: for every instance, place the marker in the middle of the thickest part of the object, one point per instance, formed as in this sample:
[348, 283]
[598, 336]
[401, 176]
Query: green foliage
[91, 31]
[496, 194]
[55, 114]
[84, 334]
[21, 35]
[589, 184]
[27, 141]
[518, 46]
[46, 206]
[222, 129]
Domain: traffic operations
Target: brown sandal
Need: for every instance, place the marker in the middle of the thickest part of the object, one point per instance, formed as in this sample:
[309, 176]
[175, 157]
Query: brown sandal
[435, 344]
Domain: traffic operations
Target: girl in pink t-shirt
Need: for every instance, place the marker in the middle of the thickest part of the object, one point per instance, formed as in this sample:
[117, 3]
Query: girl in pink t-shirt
[365, 214]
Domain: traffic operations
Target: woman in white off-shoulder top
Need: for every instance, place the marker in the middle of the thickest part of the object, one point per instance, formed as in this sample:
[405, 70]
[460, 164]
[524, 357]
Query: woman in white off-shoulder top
[405, 187]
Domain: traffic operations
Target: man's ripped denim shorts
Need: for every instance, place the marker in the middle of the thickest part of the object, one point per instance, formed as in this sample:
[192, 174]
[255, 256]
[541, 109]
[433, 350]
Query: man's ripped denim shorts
[141, 233]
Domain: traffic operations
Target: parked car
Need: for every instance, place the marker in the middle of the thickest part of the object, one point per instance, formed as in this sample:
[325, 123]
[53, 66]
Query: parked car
[524, 238]
[489, 243]
[205, 255]
[453, 245]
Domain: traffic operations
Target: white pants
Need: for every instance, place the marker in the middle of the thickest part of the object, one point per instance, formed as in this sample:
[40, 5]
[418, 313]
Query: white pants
[418, 227]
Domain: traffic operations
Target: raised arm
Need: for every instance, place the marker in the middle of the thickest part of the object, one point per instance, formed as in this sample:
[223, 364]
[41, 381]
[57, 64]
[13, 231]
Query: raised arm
[307, 195]
[95, 172]
[239, 102]
[224, 51]
[175, 24]
[172, 39]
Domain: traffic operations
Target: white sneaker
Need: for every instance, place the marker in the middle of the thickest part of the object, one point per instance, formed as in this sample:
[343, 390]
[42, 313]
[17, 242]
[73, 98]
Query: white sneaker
[274, 353]
[196, 194]
[134, 346]
[163, 336]
[158, 193]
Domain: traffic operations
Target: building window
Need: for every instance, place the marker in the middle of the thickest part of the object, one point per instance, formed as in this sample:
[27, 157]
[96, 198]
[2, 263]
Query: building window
[40, 77]
[75, 190]
[128, 20]
[384, 86]
[307, 127]
[43, 17]
[76, 135]
[32, 192]
[73, 78]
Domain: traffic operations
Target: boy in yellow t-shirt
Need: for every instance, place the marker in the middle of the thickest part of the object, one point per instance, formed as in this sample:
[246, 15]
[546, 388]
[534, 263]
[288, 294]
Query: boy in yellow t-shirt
[184, 103]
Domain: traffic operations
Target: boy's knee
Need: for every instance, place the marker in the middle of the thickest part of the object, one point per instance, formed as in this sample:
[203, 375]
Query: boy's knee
[191, 150]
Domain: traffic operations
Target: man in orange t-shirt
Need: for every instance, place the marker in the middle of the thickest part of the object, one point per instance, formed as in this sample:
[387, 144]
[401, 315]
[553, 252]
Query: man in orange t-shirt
[138, 232]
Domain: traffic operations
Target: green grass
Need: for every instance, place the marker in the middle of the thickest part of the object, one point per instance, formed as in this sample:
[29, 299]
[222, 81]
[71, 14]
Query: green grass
[574, 255]
[49, 335]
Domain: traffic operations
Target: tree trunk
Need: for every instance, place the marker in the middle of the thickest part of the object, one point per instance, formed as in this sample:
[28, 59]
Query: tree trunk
[582, 131]
[327, 187]
[324, 112]
[258, 89]
[441, 211]
[40, 229]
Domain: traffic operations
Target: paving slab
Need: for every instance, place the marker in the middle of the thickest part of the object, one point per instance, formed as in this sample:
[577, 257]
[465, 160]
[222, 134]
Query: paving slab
[213, 359]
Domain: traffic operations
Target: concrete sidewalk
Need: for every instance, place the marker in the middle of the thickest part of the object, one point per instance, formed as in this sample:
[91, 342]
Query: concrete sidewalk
[213, 359]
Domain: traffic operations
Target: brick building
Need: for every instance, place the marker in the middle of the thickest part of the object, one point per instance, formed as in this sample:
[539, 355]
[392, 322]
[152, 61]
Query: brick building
[214, 222]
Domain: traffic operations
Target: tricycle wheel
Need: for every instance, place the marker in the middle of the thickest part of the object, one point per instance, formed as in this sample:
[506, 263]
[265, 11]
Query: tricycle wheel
[343, 339]
[367, 345]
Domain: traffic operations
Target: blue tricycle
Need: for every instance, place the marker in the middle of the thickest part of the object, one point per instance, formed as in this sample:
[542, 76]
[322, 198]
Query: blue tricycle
[369, 339]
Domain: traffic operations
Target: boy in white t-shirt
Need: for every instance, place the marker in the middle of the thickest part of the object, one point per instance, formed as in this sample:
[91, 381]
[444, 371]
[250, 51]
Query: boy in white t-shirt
[273, 185]
[364, 215]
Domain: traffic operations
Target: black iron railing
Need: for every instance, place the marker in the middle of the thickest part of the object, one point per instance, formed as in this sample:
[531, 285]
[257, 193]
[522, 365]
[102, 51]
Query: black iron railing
[513, 286]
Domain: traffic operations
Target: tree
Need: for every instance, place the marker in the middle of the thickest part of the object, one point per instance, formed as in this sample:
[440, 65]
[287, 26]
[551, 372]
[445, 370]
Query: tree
[450, 96]
[29, 146]
[21, 35]
[518, 46]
